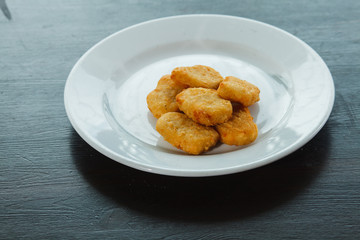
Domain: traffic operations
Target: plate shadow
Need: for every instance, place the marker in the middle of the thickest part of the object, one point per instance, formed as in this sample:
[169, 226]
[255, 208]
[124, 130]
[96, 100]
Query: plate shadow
[203, 199]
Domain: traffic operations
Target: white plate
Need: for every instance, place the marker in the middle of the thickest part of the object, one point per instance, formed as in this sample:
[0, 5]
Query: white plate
[105, 93]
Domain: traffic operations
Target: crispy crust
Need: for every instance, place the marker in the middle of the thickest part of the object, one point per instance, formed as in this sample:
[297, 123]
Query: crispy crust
[185, 134]
[204, 106]
[197, 76]
[240, 129]
[162, 99]
[237, 90]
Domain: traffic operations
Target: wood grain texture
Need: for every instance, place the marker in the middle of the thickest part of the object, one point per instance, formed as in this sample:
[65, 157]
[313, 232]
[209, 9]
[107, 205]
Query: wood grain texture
[55, 186]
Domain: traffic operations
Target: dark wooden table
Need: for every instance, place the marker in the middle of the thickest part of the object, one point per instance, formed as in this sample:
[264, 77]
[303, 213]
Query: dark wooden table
[55, 186]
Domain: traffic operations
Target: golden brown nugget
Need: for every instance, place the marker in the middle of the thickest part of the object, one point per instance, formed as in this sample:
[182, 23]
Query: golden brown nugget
[185, 134]
[237, 90]
[162, 99]
[240, 129]
[204, 106]
[197, 76]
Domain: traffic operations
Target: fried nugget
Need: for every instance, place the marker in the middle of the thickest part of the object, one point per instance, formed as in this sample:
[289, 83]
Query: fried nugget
[237, 90]
[240, 129]
[185, 134]
[197, 76]
[204, 106]
[162, 99]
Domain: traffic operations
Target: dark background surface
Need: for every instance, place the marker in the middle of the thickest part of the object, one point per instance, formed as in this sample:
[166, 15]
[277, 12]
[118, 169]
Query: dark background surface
[53, 185]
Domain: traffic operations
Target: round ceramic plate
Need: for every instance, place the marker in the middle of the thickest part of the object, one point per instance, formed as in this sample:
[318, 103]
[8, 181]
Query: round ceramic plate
[105, 93]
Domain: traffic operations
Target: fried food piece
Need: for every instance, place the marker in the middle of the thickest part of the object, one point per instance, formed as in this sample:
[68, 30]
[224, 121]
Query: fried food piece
[237, 90]
[162, 99]
[240, 129]
[204, 106]
[197, 76]
[185, 134]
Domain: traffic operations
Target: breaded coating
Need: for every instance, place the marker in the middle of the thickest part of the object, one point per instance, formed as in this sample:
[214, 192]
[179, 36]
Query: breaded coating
[204, 106]
[237, 90]
[162, 99]
[185, 134]
[197, 76]
[240, 129]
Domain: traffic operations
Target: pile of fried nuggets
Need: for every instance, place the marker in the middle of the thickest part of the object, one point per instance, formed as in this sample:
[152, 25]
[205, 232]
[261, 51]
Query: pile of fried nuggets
[196, 107]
